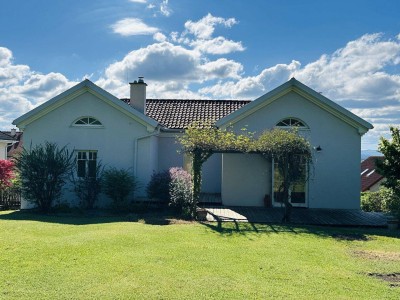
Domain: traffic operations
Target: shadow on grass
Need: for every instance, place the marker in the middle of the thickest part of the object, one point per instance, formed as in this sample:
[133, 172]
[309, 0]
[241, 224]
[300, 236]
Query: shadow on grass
[338, 233]
[154, 217]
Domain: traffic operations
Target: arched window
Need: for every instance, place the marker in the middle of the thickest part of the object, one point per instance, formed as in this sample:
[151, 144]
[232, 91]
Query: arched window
[292, 122]
[87, 121]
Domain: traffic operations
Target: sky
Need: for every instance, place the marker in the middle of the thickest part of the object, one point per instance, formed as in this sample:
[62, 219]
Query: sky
[211, 49]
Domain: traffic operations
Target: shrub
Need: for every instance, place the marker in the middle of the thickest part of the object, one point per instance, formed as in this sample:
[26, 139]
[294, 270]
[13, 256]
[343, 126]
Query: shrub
[181, 191]
[383, 200]
[392, 202]
[6, 174]
[372, 201]
[44, 170]
[88, 188]
[118, 184]
[158, 187]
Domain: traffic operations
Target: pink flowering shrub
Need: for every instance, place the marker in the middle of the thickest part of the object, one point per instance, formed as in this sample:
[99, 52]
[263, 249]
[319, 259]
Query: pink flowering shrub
[181, 191]
[6, 174]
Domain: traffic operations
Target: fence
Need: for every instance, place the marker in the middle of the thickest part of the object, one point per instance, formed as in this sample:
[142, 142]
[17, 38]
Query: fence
[10, 199]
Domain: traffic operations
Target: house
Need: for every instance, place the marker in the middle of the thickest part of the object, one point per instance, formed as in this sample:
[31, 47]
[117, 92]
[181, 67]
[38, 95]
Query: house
[371, 180]
[6, 140]
[139, 134]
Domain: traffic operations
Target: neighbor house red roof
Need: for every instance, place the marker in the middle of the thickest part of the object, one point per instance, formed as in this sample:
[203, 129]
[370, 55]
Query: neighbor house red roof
[178, 114]
[369, 175]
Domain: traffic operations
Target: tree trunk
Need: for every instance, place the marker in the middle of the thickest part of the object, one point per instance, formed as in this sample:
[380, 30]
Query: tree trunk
[197, 164]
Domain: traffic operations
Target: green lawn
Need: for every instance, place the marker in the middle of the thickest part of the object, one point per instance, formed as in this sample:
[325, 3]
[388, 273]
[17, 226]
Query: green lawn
[108, 257]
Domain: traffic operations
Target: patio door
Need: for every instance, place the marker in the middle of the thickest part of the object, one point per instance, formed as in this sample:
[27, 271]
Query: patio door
[297, 193]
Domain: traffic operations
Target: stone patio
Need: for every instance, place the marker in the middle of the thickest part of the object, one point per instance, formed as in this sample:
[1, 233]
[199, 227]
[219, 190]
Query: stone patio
[302, 216]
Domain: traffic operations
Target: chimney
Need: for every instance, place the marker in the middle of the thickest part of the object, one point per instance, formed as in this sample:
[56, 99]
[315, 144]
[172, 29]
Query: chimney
[13, 131]
[138, 95]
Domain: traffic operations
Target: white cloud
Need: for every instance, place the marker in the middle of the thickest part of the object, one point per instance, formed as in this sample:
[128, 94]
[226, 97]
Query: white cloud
[138, 1]
[204, 28]
[159, 37]
[132, 26]
[164, 8]
[22, 89]
[218, 45]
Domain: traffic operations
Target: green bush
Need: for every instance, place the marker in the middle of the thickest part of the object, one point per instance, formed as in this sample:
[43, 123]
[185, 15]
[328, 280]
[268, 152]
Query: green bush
[88, 188]
[372, 201]
[118, 184]
[384, 200]
[43, 171]
[158, 187]
[181, 191]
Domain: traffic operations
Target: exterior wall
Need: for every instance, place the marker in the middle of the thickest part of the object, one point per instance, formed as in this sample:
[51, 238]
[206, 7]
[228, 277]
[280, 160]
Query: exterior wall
[3, 150]
[212, 174]
[170, 156]
[115, 141]
[246, 179]
[335, 174]
[377, 186]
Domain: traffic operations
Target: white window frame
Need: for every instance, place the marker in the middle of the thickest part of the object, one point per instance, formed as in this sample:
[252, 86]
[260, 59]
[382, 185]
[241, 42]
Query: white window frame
[85, 156]
[89, 123]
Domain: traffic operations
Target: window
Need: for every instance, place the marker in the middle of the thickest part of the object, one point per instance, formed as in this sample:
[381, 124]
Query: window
[87, 121]
[291, 122]
[86, 163]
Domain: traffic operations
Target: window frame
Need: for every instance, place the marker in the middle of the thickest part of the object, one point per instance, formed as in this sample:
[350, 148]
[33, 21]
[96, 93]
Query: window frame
[88, 124]
[303, 127]
[88, 157]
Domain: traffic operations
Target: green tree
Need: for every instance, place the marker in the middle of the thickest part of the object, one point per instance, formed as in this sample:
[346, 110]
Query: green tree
[389, 167]
[291, 153]
[43, 171]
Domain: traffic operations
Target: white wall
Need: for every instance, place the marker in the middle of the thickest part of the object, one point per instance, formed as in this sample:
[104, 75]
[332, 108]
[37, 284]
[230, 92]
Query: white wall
[115, 142]
[246, 179]
[3, 150]
[335, 180]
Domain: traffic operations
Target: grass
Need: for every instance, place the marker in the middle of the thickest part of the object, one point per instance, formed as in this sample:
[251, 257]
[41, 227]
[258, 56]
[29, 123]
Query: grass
[110, 257]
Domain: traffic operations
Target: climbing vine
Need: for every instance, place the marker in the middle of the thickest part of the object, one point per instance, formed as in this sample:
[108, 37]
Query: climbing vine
[285, 147]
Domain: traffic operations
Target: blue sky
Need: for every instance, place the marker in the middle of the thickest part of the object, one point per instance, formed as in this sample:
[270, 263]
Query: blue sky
[219, 49]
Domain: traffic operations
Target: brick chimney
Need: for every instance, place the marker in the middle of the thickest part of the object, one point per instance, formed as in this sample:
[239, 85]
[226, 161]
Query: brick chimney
[138, 95]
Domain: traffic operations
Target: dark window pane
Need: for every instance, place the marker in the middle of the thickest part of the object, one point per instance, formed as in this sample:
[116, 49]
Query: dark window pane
[92, 168]
[81, 168]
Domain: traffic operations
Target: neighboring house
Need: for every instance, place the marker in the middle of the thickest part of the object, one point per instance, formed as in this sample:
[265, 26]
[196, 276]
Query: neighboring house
[371, 180]
[6, 140]
[142, 137]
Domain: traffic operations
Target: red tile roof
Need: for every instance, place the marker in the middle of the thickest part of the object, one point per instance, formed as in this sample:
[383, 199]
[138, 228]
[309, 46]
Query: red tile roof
[369, 175]
[178, 114]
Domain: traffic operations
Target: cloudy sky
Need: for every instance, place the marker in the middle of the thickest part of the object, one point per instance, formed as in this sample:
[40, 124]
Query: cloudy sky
[220, 49]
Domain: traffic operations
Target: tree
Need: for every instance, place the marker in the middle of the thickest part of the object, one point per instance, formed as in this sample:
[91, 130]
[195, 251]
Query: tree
[291, 153]
[389, 167]
[43, 170]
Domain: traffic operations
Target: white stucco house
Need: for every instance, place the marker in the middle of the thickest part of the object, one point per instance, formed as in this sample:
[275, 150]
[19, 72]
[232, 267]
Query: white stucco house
[6, 139]
[140, 134]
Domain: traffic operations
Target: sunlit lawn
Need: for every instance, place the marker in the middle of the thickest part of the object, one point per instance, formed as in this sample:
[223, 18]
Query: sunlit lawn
[108, 257]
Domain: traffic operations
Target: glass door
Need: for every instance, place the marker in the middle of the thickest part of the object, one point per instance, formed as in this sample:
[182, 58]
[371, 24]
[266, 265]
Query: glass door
[297, 193]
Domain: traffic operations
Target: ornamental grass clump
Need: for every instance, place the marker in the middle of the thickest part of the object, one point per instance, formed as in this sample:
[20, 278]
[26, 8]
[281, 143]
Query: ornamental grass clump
[181, 192]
